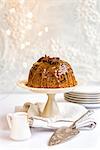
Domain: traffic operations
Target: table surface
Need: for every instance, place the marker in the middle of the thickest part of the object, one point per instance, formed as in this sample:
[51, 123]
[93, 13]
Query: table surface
[39, 139]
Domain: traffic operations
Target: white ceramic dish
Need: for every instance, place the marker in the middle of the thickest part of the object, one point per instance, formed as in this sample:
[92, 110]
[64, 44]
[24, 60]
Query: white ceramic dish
[44, 90]
[87, 94]
[83, 99]
[90, 96]
[86, 105]
[92, 106]
[86, 101]
[51, 108]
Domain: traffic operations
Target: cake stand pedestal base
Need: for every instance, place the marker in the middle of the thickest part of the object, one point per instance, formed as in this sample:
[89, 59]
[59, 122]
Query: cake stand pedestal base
[51, 109]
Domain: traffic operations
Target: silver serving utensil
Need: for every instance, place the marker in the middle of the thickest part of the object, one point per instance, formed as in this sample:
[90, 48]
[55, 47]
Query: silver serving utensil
[62, 134]
[84, 125]
[65, 133]
[87, 125]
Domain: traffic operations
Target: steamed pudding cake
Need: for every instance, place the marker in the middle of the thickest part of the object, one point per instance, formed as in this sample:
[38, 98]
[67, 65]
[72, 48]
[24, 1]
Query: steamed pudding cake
[50, 72]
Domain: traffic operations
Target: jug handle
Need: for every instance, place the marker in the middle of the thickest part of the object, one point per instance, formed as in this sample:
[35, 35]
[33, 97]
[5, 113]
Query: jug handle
[9, 119]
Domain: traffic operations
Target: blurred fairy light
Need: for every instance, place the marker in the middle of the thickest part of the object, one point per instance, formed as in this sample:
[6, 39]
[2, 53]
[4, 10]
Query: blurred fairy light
[21, 1]
[8, 32]
[40, 33]
[12, 10]
[29, 15]
[27, 43]
[46, 29]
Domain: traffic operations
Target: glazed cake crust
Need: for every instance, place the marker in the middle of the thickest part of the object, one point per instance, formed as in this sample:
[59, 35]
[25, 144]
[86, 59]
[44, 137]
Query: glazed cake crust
[51, 73]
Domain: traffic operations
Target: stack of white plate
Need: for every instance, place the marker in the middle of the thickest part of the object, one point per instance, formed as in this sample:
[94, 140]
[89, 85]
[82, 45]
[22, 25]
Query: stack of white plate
[88, 95]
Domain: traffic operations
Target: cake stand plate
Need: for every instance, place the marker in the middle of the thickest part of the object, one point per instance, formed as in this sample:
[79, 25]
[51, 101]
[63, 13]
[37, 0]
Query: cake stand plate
[51, 109]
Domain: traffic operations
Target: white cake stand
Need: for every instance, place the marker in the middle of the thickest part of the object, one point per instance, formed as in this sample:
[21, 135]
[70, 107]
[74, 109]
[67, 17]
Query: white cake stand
[51, 109]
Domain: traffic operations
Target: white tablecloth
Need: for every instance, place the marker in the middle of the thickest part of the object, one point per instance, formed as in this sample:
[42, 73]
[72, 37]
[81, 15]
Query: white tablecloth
[39, 139]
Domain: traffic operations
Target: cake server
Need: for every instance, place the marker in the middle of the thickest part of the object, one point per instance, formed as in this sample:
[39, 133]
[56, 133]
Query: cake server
[65, 133]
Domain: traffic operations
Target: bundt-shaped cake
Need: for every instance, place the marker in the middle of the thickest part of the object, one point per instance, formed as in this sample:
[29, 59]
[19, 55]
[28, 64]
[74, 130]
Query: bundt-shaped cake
[51, 73]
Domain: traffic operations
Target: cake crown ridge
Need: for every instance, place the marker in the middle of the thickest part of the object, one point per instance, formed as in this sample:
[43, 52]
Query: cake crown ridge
[50, 60]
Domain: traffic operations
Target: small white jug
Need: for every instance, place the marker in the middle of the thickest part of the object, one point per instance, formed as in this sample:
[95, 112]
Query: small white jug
[19, 126]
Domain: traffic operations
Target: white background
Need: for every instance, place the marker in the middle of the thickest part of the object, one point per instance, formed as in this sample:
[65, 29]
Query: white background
[30, 29]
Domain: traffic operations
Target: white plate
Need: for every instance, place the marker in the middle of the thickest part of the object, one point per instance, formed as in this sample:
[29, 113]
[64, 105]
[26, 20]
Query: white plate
[68, 111]
[84, 99]
[97, 96]
[91, 106]
[44, 90]
[87, 105]
[88, 88]
[82, 102]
